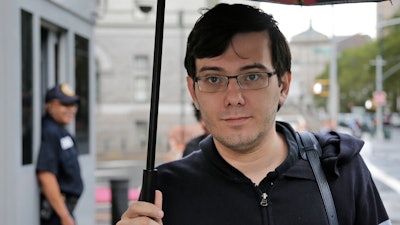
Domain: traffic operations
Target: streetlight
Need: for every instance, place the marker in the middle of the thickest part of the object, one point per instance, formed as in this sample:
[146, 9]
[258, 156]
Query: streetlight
[379, 63]
[333, 99]
[333, 85]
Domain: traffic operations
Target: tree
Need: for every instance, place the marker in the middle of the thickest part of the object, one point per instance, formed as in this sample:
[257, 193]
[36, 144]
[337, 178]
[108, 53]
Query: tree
[356, 74]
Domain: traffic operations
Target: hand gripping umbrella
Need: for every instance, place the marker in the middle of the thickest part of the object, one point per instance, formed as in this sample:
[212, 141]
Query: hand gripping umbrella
[150, 173]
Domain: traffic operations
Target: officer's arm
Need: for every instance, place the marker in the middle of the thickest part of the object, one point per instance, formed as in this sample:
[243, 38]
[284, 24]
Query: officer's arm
[52, 192]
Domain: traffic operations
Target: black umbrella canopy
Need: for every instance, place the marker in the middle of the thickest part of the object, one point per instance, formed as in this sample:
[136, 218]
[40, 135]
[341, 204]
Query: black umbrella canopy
[149, 174]
[316, 2]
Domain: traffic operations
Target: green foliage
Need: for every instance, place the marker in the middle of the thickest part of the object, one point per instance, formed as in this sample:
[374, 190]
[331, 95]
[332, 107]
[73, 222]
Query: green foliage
[357, 74]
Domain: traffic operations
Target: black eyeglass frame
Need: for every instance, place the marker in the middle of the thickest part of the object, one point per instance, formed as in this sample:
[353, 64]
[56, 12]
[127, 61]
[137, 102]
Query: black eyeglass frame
[269, 74]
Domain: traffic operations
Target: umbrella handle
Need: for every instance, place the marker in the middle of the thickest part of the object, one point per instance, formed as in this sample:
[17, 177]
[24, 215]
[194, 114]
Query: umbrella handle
[150, 174]
[148, 186]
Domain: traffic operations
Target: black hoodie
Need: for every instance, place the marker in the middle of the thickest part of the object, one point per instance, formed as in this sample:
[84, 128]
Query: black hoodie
[203, 189]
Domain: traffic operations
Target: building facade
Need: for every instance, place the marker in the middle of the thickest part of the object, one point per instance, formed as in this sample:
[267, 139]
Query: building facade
[43, 42]
[124, 57]
[311, 54]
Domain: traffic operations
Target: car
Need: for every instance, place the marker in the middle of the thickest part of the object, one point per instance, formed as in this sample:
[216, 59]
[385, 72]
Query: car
[395, 120]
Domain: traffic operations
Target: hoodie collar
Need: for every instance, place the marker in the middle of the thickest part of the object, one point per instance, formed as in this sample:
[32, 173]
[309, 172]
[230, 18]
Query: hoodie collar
[210, 151]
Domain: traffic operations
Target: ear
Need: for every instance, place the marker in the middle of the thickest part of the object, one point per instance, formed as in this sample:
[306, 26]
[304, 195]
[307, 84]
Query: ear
[190, 85]
[285, 85]
[49, 106]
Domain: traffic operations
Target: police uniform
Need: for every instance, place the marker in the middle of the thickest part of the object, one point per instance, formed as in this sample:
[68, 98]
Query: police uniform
[58, 155]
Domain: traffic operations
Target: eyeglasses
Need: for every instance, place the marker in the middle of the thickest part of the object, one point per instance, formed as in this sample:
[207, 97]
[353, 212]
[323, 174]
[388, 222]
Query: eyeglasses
[248, 81]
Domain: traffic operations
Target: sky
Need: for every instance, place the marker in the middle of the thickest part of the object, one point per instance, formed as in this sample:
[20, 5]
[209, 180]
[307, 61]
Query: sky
[339, 19]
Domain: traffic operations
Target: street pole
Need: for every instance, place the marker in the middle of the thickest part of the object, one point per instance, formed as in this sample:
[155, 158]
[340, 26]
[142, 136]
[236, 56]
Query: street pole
[379, 63]
[333, 85]
[378, 79]
[333, 100]
[181, 74]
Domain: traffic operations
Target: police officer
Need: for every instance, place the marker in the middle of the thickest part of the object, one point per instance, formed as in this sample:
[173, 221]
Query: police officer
[58, 169]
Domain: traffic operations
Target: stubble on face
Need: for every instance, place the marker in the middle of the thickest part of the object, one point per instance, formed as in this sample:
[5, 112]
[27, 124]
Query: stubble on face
[248, 116]
[245, 139]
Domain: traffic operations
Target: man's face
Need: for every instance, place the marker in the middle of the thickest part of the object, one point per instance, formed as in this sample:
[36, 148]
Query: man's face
[62, 114]
[240, 119]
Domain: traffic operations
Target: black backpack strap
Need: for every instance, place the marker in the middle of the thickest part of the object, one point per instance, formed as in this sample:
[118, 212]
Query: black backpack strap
[310, 150]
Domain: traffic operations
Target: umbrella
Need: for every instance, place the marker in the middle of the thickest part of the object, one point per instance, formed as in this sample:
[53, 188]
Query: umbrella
[316, 2]
[149, 174]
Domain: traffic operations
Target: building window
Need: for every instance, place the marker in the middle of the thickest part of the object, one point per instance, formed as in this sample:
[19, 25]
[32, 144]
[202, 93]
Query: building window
[141, 77]
[141, 64]
[141, 131]
[82, 89]
[141, 84]
[27, 86]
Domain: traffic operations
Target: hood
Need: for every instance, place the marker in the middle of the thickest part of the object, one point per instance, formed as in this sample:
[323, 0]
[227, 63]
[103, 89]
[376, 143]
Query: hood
[337, 149]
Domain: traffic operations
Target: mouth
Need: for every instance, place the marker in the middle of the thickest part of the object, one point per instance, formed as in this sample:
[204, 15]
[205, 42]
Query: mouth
[237, 120]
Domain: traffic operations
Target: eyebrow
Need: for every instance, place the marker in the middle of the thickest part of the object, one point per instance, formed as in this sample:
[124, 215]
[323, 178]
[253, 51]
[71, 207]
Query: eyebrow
[212, 68]
[254, 66]
[247, 67]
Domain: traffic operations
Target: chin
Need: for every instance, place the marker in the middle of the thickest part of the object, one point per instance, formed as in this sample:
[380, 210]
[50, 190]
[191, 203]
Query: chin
[67, 121]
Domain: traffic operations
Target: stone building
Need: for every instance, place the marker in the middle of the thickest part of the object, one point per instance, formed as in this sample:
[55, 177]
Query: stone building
[311, 54]
[124, 52]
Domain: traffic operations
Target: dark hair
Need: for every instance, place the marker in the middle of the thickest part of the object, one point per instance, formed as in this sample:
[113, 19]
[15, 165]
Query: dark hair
[214, 30]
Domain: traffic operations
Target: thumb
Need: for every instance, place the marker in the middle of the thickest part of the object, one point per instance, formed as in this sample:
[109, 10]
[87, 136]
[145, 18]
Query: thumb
[158, 203]
[158, 199]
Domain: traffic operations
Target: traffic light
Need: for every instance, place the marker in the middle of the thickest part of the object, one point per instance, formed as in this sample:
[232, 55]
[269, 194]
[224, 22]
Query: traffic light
[370, 105]
[321, 87]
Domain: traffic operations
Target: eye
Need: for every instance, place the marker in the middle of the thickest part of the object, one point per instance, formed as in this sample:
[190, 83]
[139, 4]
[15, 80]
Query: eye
[213, 79]
[252, 76]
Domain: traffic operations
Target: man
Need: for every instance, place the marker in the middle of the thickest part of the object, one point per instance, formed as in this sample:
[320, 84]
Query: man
[249, 170]
[58, 169]
[193, 144]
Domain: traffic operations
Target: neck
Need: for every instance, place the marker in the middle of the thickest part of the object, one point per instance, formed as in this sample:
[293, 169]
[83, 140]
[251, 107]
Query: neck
[258, 162]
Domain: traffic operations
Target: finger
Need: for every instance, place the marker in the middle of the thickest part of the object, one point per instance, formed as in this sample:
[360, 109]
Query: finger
[158, 199]
[158, 203]
[139, 221]
[140, 208]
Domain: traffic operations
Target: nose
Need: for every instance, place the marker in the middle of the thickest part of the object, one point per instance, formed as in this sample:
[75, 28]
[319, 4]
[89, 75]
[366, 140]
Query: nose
[235, 82]
[234, 94]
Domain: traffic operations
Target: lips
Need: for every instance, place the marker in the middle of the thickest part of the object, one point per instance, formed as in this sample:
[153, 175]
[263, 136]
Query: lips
[237, 120]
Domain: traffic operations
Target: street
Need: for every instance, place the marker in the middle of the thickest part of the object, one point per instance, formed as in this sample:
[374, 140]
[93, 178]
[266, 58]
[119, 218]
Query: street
[381, 156]
[383, 160]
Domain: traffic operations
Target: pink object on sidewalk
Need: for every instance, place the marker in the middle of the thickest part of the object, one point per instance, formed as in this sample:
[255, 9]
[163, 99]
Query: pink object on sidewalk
[103, 194]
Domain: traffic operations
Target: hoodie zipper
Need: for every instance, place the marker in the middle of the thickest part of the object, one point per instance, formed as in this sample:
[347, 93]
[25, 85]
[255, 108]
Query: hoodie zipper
[264, 199]
[263, 203]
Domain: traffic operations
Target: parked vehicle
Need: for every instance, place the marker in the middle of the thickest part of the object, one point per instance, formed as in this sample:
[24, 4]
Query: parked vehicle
[395, 120]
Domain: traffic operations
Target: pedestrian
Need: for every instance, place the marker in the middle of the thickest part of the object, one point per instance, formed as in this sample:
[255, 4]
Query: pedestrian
[57, 168]
[193, 143]
[249, 170]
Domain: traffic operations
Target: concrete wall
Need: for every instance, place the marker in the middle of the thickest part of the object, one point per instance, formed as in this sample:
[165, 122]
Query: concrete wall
[19, 190]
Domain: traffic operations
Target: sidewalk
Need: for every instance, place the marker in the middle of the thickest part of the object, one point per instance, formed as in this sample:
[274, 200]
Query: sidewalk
[383, 160]
[103, 203]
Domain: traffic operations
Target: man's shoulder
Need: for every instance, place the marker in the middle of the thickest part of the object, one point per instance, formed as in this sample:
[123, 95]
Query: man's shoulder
[341, 143]
[50, 126]
[338, 149]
